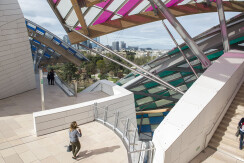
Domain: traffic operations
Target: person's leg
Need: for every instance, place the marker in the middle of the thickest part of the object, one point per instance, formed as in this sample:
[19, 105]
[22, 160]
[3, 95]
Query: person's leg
[241, 140]
[73, 149]
[77, 144]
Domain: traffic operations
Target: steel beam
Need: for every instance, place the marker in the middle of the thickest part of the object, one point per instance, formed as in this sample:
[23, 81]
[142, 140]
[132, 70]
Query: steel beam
[138, 72]
[145, 74]
[223, 26]
[183, 33]
[172, 37]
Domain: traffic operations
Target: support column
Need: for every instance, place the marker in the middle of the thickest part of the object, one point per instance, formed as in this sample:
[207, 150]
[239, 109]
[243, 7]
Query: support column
[183, 33]
[179, 49]
[223, 26]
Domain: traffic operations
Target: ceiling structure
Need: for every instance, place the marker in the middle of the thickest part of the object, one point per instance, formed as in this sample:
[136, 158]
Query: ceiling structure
[49, 48]
[99, 17]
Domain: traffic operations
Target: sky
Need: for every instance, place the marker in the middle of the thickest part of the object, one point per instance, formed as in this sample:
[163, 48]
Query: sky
[151, 35]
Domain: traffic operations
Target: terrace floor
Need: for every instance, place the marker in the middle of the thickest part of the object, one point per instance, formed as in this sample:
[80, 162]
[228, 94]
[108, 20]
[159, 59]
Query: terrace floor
[18, 142]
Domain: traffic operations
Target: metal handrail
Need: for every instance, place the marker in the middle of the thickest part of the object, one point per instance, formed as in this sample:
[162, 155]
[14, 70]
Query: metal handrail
[129, 135]
[66, 85]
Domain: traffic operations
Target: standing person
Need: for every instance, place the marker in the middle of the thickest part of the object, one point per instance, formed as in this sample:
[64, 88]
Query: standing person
[52, 76]
[74, 140]
[48, 77]
[241, 128]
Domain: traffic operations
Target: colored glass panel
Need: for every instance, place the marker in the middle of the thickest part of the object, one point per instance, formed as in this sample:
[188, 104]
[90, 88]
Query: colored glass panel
[145, 128]
[102, 18]
[136, 96]
[215, 55]
[103, 4]
[176, 82]
[151, 84]
[149, 106]
[156, 120]
[128, 7]
[165, 73]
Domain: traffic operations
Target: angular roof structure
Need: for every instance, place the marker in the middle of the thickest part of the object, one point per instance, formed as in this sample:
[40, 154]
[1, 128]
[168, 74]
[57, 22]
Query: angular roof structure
[99, 17]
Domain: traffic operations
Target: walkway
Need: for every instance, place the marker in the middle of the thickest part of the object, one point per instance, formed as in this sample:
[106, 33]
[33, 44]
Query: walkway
[18, 142]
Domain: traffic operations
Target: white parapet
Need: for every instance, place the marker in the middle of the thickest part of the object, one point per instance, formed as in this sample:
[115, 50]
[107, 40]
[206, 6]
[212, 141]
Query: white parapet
[188, 128]
[120, 99]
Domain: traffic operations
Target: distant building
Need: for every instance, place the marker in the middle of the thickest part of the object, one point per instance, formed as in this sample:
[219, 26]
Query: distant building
[133, 48]
[66, 39]
[122, 45]
[115, 45]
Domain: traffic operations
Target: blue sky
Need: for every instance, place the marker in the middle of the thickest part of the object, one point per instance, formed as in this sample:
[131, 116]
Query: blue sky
[148, 35]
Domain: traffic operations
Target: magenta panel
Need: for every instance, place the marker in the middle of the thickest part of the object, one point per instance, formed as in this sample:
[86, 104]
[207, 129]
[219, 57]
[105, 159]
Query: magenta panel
[127, 7]
[55, 1]
[169, 4]
[103, 4]
[103, 17]
[78, 28]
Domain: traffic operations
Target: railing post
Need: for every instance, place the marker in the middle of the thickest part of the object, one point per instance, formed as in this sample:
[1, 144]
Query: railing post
[126, 128]
[116, 119]
[150, 152]
[105, 115]
[134, 142]
[95, 111]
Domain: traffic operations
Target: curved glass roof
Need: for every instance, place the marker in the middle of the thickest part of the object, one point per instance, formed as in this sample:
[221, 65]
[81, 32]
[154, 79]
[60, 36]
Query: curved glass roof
[98, 18]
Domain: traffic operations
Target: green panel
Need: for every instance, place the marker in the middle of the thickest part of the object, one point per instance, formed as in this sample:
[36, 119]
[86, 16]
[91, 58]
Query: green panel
[177, 82]
[144, 100]
[136, 96]
[137, 75]
[236, 40]
[165, 93]
[151, 84]
[165, 73]
[189, 84]
[177, 50]
[170, 105]
[198, 67]
[118, 83]
[129, 75]
[162, 102]
[138, 121]
[150, 106]
[186, 73]
[215, 55]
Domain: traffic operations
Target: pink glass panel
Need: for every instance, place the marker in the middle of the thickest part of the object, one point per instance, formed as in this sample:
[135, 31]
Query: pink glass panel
[78, 28]
[103, 4]
[127, 7]
[55, 1]
[103, 17]
[169, 4]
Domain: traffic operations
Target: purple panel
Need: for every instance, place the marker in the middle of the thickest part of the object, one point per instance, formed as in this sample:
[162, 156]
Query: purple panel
[173, 3]
[127, 7]
[103, 4]
[103, 17]
[78, 28]
[55, 1]
[169, 4]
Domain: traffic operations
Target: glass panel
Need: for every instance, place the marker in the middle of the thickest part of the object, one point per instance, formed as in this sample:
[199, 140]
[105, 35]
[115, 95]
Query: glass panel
[172, 77]
[155, 114]
[63, 7]
[91, 15]
[115, 5]
[156, 89]
[145, 121]
[116, 17]
[144, 100]
[72, 19]
[140, 7]
[162, 102]
[178, 96]
[190, 78]
[183, 87]
[171, 92]
[138, 88]
[48, 36]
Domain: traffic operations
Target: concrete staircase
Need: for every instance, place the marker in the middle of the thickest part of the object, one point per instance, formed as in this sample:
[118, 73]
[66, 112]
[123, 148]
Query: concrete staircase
[224, 139]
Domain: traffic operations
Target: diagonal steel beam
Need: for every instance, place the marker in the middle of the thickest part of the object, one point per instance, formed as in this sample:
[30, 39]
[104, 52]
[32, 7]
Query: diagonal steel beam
[146, 74]
[172, 37]
[223, 26]
[183, 33]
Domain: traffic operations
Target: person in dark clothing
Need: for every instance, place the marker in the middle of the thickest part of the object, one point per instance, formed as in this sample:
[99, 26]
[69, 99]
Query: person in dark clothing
[74, 140]
[241, 131]
[48, 78]
[52, 77]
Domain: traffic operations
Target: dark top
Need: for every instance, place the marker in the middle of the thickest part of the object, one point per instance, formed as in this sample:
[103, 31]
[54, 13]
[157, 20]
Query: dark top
[51, 75]
[240, 123]
[48, 76]
[73, 136]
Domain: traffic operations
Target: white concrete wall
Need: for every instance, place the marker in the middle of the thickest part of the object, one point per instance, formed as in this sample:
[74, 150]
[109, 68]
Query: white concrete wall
[60, 118]
[187, 129]
[16, 65]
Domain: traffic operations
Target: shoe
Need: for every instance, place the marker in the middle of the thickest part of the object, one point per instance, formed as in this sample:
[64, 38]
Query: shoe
[74, 157]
